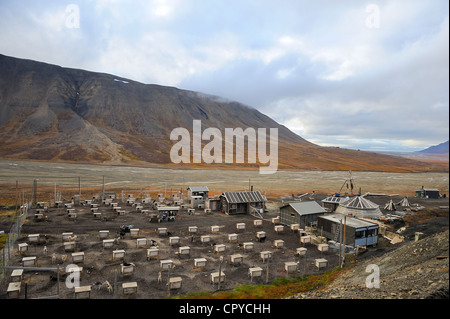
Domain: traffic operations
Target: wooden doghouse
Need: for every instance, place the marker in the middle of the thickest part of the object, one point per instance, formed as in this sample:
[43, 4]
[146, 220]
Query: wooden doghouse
[275, 220]
[129, 288]
[152, 253]
[39, 216]
[220, 248]
[118, 254]
[215, 277]
[248, 246]
[162, 231]
[279, 228]
[215, 229]
[72, 216]
[193, 229]
[233, 238]
[134, 232]
[78, 257]
[257, 222]
[29, 261]
[321, 263]
[103, 234]
[23, 248]
[261, 235]
[184, 251]
[323, 247]
[305, 239]
[33, 238]
[301, 251]
[254, 272]
[240, 226]
[108, 243]
[205, 238]
[166, 264]
[126, 269]
[13, 291]
[175, 282]
[236, 259]
[200, 263]
[174, 240]
[69, 246]
[82, 292]
[141, 242]
[17, 275]
[265, 255]
[290, 267]
[278, 243]
[65, 236]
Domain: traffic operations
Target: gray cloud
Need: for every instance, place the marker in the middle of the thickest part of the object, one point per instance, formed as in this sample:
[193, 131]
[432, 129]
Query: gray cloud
[315, 66]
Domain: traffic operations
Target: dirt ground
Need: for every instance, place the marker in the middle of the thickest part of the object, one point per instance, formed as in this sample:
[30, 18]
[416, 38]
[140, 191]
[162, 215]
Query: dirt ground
[100, 267]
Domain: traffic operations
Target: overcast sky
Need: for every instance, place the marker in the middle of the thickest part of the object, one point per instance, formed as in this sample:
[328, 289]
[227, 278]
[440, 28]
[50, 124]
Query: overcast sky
[370, 75]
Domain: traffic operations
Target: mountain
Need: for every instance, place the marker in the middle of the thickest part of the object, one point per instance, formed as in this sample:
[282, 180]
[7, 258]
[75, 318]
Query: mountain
[437, 149]
[52, 113]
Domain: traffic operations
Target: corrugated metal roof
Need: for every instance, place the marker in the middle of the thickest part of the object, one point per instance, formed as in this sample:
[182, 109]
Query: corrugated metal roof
[243, 197]
[305, 208]
[199, 188]
[333, 199]
[350, 221]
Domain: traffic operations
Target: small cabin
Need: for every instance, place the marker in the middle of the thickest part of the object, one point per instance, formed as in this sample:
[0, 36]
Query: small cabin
[301, 213]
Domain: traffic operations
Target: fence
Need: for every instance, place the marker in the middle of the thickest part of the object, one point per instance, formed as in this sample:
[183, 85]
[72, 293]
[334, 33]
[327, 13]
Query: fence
[11, 237]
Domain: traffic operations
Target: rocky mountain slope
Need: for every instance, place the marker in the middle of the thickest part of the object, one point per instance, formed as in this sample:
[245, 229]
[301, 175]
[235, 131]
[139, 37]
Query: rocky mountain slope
[52, 113]
[411, 270]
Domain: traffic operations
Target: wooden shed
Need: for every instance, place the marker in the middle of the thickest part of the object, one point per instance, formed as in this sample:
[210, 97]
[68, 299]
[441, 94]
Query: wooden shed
[232, 203]
[357, 232]
[301, 213]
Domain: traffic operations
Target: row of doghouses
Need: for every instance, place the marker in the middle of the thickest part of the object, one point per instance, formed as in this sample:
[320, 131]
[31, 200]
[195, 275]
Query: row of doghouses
[232, 203]
[357, 232]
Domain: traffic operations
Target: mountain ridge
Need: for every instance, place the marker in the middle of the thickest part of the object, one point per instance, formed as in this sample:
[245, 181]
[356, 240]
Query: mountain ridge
[52, 113]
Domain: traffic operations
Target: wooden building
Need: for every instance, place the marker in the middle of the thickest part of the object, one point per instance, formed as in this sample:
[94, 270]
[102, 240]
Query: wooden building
[197, 195]
[357, 232]
[427, 193]
[232, 203]
[301, 213]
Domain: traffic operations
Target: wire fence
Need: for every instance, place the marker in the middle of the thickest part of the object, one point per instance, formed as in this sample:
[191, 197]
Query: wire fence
[11, 236]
